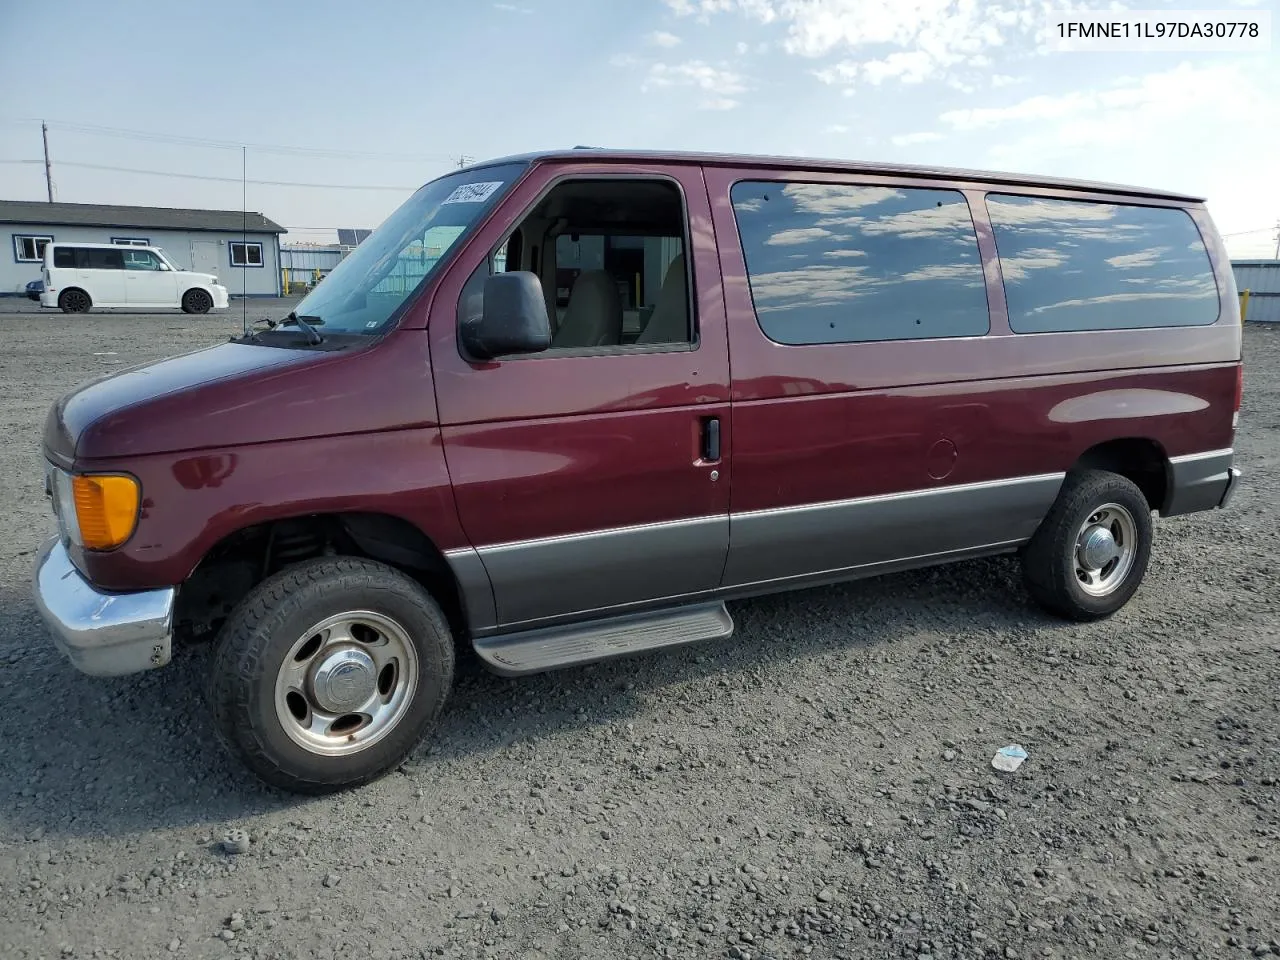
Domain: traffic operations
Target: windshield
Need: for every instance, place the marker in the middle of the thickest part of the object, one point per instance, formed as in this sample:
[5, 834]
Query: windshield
[363, 292]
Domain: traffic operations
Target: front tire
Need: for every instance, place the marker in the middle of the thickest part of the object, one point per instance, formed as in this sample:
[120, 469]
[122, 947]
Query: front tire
[74, 300]
[197, 301]
[329, 674]
[1090, 553]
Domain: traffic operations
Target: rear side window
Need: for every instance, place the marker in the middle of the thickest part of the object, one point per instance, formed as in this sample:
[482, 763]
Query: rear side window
[88, 258]
[1075, 265]
[832, 263]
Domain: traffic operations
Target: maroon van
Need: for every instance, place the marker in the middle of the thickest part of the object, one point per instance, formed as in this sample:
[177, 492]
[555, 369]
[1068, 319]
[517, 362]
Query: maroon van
[561, 407]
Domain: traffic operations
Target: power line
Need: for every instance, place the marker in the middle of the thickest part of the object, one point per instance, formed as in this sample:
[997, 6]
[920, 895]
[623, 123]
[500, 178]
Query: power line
[1241, 233]
[213, 179]
[152, 137]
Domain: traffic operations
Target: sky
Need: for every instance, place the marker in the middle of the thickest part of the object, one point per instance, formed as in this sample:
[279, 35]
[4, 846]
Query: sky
[363, 102]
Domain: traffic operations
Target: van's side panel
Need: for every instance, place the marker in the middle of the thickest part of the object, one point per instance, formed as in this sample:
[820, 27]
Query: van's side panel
[853, 453]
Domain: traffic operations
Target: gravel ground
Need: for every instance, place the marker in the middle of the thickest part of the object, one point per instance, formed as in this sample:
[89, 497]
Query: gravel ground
[820, 784]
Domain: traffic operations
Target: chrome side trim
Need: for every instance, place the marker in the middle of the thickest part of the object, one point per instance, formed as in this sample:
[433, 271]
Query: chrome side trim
[959, 488]
[1198, 481]
[1207, 455]
[102, 634]
[794, 542]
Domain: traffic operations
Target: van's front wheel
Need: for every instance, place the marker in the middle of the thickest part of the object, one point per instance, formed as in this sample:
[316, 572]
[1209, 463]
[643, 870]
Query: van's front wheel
[330, 673]
[1090, 553]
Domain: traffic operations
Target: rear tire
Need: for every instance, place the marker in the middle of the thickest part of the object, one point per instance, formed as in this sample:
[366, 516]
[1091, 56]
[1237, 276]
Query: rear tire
[74, 300]
[329, 674]
[196, 301]
[1090, 553]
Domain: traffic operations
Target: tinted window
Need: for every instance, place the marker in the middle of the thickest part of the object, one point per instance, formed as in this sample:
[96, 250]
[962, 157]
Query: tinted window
[1073, 265]
[830, 263]
[98, 259]
[64, 257]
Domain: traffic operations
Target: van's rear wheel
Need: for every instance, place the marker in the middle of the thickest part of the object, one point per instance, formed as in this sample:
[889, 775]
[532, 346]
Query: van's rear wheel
[330, 673]
[196, 301]
[74, 301]
[1090, 553]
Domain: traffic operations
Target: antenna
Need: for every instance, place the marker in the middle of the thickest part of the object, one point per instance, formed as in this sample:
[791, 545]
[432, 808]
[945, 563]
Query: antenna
[244, 240]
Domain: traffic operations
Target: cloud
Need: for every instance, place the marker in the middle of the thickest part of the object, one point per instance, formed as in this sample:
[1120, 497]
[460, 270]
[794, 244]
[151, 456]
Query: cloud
[1102, 115]
[663, 39]
[844, 254]
[788, 238]
[923, 222]
[835, 128]
[832, 199]
[511, 8]
[933, 38]
[1143, 258]
[1035, 258]
[911, 139]
[818, 285]
[719, 83]
[909, 67]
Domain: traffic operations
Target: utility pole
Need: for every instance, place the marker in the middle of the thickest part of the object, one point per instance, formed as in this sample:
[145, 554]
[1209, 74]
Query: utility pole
[463, 161]
[1278, 240]
[48, 170]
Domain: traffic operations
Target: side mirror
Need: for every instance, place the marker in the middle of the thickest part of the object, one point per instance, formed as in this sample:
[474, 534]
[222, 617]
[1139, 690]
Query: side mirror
[512, 320]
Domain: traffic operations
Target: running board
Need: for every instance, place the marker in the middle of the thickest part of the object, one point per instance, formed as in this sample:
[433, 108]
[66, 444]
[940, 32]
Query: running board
[549, 648]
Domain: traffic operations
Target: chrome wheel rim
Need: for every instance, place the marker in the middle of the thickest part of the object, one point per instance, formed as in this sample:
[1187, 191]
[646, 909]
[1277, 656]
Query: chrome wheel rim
[346, 683]
[1105, 549]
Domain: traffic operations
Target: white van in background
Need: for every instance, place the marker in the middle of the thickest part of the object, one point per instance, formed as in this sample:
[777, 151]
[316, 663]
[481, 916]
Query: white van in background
[80, 276]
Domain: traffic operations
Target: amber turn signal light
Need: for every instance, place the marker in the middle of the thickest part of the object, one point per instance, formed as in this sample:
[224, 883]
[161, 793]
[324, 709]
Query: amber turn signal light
[106, 509]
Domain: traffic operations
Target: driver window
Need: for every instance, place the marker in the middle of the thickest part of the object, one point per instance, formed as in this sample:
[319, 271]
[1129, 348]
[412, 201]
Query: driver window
[610, 255]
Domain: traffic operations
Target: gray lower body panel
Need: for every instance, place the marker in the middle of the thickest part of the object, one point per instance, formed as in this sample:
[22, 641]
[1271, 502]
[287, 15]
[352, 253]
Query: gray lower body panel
[1200, 481]
[537, 579]
[791, 542]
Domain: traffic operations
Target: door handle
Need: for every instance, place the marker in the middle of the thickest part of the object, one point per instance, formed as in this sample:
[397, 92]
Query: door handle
[711, 439]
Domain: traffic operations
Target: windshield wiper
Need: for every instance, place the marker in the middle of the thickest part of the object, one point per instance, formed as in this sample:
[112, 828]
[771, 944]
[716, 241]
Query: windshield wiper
[313, 335]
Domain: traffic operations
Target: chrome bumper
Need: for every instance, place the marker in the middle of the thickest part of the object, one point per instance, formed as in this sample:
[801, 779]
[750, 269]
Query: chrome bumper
[102, 634]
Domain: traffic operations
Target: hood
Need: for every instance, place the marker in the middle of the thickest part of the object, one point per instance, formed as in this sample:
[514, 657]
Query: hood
[234, 394]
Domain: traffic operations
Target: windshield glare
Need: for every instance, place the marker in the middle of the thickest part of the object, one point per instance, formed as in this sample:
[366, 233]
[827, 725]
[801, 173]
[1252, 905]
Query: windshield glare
[364, 291]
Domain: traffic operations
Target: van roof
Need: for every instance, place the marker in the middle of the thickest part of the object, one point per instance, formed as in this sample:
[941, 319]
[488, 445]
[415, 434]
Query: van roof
[606, 155]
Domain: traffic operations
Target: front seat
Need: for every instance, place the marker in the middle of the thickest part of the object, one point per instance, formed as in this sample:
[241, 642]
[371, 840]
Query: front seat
[669, 322]
[593, 317]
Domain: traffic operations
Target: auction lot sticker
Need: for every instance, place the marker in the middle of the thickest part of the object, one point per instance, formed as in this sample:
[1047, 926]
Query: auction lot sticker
[1242, 30]
[473, 192]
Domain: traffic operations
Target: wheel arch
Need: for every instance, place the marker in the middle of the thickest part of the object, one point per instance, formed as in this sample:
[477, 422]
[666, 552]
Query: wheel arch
[240, 560]
[1139, 459]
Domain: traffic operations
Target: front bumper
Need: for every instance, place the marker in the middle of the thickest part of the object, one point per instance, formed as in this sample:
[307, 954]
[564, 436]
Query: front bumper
[48, 300]
[220, 297]
[102, 634]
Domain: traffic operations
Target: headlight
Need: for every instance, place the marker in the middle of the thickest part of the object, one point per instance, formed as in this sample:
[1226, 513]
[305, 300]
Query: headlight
[97, 511]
